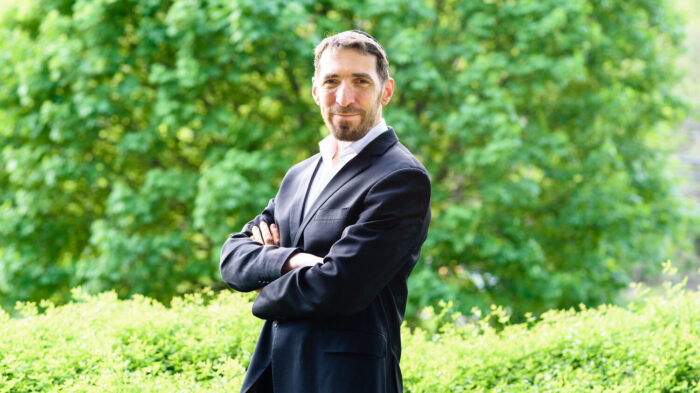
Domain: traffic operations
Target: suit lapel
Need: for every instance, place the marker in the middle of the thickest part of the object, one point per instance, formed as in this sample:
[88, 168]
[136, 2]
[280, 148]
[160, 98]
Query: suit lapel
[355, 166]
[300, 197]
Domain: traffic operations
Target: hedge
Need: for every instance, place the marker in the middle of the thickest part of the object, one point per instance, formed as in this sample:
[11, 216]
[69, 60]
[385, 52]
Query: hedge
[203, 342]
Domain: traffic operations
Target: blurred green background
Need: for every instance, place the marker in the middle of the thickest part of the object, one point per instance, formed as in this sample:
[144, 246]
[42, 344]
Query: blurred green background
[561, 137]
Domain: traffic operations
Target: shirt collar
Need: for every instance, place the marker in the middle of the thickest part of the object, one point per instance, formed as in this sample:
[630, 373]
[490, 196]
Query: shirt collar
[327, 145]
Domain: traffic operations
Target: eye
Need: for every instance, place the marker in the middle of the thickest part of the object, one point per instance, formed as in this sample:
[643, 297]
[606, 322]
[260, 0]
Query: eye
[362, 82]
[330, 82]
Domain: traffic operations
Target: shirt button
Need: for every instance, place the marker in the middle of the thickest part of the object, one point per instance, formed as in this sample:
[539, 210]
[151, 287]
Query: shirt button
[274, 324]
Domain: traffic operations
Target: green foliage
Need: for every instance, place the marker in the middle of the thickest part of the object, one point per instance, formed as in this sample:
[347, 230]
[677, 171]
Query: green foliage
[203, 344]
[97, 343]
[135, 135]
[549, 180]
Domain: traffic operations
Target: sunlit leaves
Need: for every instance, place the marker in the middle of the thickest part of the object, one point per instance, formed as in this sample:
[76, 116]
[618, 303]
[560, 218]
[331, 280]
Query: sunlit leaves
[203, 343]
[136, 135]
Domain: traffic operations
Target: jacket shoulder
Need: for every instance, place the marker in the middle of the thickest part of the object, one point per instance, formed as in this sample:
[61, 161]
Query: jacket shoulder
[301, 166]
[398, 157]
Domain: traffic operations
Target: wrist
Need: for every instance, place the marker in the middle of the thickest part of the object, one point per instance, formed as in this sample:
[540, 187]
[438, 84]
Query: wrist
[300, 259]
[289, 263]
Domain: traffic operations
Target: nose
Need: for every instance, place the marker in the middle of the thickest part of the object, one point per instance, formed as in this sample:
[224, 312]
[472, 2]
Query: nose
[344, 95]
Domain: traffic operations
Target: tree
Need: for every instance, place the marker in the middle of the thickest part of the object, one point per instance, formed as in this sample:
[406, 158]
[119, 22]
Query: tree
[137, 134]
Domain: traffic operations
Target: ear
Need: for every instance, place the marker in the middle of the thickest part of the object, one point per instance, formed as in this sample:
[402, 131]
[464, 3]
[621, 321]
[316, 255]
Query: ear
[313, 91]
[388, 91]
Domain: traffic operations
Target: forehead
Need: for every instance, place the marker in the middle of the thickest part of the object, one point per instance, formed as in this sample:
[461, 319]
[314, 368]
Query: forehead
[347, 61]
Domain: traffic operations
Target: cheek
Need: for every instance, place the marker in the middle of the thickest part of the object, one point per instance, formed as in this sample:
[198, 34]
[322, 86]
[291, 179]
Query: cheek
[327, 100]
[373, 100]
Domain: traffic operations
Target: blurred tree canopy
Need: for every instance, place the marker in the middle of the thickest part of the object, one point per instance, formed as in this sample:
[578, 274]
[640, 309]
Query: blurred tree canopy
[135, 135]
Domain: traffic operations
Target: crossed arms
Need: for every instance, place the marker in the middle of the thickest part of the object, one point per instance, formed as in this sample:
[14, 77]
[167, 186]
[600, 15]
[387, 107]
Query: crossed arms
[270, 235]
[387, 235]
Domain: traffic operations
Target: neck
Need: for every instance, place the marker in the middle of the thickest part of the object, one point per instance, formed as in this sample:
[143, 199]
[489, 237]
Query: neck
[341, 145]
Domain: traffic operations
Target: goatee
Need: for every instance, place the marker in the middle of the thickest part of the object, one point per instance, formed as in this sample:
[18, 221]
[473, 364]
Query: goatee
[344, 131]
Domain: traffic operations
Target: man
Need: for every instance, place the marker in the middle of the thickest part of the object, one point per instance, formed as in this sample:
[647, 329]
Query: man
[332, 251]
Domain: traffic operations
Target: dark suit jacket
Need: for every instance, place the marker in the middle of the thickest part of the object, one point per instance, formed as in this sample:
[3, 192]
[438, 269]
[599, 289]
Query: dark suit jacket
[334, 327]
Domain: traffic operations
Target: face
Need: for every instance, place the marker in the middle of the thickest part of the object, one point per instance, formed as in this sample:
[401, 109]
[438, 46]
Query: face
[350, 93]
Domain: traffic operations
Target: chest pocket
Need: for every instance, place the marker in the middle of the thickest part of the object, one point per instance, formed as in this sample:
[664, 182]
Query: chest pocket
[325, 229]
[331, 214]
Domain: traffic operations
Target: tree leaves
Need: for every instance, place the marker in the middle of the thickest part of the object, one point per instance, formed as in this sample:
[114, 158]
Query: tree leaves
[135, 135]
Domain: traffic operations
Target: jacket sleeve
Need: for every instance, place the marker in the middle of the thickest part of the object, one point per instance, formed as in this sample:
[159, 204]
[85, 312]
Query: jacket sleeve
[246, 265]
[370, 252]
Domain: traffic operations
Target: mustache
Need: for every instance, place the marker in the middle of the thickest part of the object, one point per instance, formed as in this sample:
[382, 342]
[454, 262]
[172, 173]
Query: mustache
[345, 110]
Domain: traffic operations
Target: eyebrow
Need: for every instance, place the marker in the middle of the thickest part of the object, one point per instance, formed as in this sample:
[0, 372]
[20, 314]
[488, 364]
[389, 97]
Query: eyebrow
[354, 74]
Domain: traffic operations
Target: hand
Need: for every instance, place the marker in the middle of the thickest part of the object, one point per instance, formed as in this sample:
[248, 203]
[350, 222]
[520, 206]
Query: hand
[300, 259]
[266, 235]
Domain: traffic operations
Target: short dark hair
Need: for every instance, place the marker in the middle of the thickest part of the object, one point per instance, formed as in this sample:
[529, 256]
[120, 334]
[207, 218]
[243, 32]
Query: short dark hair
[358, 40]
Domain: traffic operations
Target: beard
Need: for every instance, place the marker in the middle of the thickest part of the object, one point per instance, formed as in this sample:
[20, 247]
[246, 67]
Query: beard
[343, 130]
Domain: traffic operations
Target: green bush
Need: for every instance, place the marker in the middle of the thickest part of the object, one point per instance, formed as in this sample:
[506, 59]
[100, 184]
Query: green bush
[203, 344]
[135, 135]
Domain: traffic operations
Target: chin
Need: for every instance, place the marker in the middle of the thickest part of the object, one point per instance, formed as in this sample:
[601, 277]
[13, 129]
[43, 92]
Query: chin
[347, 135]
[346, 132]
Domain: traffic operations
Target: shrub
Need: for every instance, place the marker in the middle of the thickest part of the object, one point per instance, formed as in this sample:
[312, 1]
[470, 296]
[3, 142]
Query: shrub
[102, 344]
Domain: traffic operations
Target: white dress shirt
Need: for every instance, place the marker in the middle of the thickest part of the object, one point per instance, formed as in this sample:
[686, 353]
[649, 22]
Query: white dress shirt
[326, 171]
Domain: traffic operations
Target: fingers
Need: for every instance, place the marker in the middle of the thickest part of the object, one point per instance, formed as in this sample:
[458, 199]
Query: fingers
[275, 235]
[266, 235]
[257, 236]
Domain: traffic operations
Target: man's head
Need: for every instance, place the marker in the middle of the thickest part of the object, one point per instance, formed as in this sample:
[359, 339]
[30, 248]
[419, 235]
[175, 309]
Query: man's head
[360, 41]
[351, 83]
